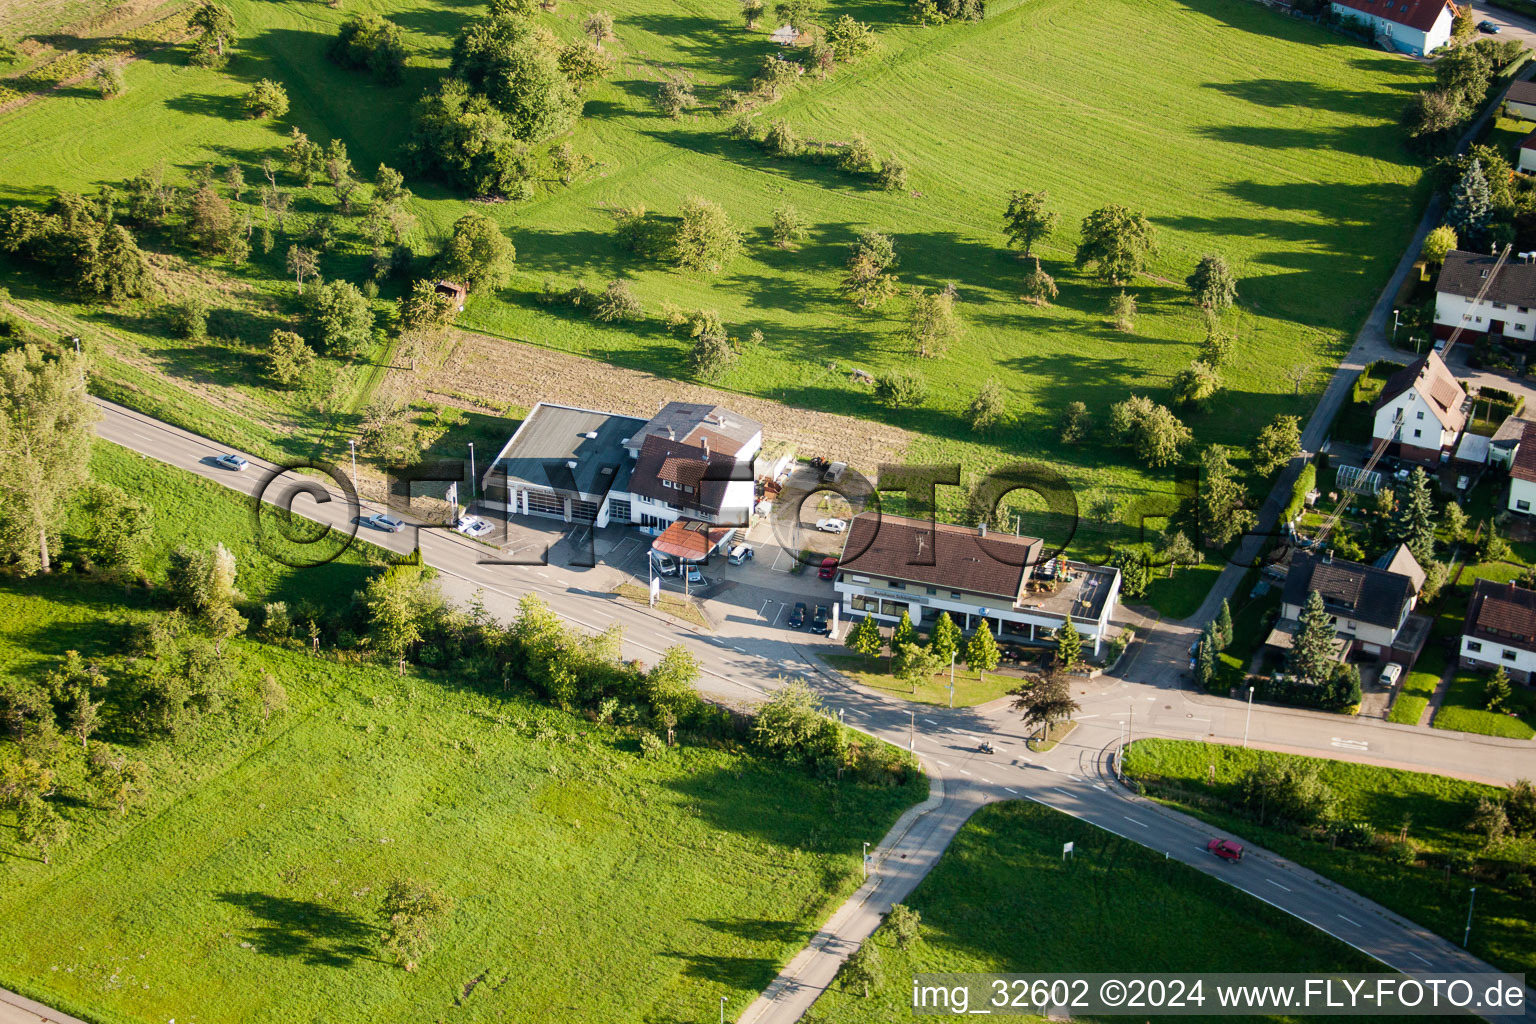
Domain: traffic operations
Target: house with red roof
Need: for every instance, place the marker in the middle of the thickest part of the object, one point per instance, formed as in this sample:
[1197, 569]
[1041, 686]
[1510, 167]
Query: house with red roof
[1416, 27]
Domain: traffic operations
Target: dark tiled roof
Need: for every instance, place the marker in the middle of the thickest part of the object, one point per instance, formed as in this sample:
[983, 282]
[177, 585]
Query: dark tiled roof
[1435, 381]
[1523, 91]
[1465, 273]
[1360, 592]
[1502, 613]
[1419, 14]
[957, 557]
[1524, 465]
[554, 436]
[684, 465]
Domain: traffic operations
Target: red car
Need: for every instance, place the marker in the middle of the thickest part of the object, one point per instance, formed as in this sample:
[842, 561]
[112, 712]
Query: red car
[1226, 849]
[828, 569]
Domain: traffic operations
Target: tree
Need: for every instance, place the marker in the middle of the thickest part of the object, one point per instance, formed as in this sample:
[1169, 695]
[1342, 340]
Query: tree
[116, 777]
[507, 62]
[1490, 546]
[288, 358]
[303, 157]
[1464, 25]
[302, 264]
[1216, 349]
[478, 254]
[1221, 499]
[670, 685]
[1465, 72]
[45, 444]
[706, 240]
[1046, 701]
[120, 270]
[1122, 311]
[1490, 820]
[867, 282]
[1435, 575]
[863, 970]
[674, 96]
[712, 355]
[915, 664]
[40, 826]
[900, 389]
[1213, 284]
[427, 310]
[411, 913]
[369, 42]
[265, 99]
[981, 653]
[1069, 645]
[1496, 691]
[339, 318]
[598, 27]
[944, 637]
[801, 15]
[789, 226]
[850, 39]
[1075, 423]
[109, 79]
[1471, 206]
[1416, 520]
[1196, 385]
[1438, 244]
[1431, 117]
[397, 601]
[1277, 444]
[1223, 630]
[1135, 571]
[892, 176]
[751, 11]
[1028, 219]
[217, 24]
[931, 321]
[905, 924]
[462, 138]
[904, 633]
[1455, 519]
[1150, 430]
[618, 303]
[1102, 507]
[1312, 655]
[987, 406]
[865, 638]
[114, 527]
[1038, 287]
[1116, 242]
[1176, 550]
[1205, 658]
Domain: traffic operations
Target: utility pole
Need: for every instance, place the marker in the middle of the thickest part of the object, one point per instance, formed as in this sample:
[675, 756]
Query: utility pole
[474, 484]
[1466, 936]
[352, 443]
[911, 732]
[1249, 719]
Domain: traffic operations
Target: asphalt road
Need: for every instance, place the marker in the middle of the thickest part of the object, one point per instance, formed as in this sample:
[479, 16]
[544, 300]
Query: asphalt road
[748, 658]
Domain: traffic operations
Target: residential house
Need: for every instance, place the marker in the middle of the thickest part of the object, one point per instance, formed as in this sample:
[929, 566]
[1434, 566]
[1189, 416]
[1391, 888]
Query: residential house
[1520, 101]
[1506, 308]
[1526, 159]
[1371, 605]
[1505, 442]
[1522, 476]
[1500, 630]
[1421, 412]
[1415, 27]
[893, 564]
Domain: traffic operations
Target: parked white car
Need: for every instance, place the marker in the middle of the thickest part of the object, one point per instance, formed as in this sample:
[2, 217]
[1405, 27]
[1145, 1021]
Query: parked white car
[831, 525]
[473, 526]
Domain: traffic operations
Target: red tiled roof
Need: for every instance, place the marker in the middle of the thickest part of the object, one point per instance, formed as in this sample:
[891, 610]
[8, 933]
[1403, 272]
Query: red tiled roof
[1436, 383]
[1524, 466]
[1502, 613]
[1419, 14]
[689, 540]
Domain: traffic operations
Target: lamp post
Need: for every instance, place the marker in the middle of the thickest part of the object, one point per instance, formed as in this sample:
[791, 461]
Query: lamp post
[352, 443]
[722, 1010]
[952, 677]
[474, 483]
[1248, 720]
[1466, 936]
[1394, 326]
[864, 863]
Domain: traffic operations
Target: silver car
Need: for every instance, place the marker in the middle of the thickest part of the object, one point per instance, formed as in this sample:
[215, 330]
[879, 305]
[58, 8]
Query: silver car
[389, 524]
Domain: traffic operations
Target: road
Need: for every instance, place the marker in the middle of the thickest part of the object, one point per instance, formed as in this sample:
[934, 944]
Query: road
[1144, 698]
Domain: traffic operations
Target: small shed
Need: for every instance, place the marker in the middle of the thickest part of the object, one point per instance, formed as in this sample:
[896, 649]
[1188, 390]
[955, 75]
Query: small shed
[785, 35]
[454, 291]
[1520, 101]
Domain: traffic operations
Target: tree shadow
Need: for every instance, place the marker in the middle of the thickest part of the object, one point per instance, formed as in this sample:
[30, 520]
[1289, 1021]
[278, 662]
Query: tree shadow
[227, 108]
[313, 933]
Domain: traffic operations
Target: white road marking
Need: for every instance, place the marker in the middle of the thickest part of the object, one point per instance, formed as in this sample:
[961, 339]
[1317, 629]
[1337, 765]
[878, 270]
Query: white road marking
[1061, 791]
[944, 763]
[1341, 917]
[741, 649]
[1013, 791]
[930, 721]
[1047, 767]
[986, 780]
[544, 574]
[1082, 717]
[1100, 785]
[1417, 957]
[1344, 744]
[1133, 821]
[964, 772]
[1075, 778]
[1271, 881]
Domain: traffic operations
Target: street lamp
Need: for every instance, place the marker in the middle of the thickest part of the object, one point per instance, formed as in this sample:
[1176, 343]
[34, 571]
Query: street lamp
[1249, 719]
[474, 484]
[952, 677]
[722, 1010]
[352, 443]
[1394, 326]
[865, 864]
[1466, 936]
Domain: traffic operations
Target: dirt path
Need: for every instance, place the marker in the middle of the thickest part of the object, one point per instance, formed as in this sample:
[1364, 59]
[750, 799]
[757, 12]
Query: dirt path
[494, 374]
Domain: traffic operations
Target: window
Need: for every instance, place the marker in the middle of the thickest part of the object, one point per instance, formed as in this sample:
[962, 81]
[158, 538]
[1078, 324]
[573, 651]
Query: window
[1418, 433]
[1522, 506]
[896, 585]
[1479, 319]
[1500, 305]
[1474, 646]
[955, 594]
[933, 590]
[668, 483]
[1419, 414]
[1508, 655]
[1522, 309]
[1519, 327]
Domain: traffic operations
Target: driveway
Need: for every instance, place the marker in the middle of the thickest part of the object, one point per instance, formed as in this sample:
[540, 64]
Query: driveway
[1511, 25]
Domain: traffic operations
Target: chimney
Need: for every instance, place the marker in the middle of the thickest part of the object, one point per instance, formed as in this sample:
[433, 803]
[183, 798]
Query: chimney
[671, 434]
[1328, 555]
[981, 530]
[705, 440]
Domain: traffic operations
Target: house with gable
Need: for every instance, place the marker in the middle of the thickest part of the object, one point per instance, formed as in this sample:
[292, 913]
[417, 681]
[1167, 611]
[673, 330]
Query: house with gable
[1414, 27]
[1421, 412]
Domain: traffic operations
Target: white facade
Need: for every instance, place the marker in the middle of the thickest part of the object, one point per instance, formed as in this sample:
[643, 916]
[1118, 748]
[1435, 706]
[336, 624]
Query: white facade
[1420, 427]
[1522, 495]
[1453, 310]
[1527, 159]
[1524, 111]
[1404, 38]
[1374, 639]
[1491, 654]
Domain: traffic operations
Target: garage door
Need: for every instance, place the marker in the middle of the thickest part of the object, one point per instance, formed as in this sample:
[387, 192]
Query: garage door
[584, 511]
[618, 510]
[543, 503]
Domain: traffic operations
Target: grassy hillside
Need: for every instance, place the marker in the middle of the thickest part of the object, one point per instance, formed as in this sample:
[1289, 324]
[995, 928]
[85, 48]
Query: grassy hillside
[1071, 917]
[1234, 129]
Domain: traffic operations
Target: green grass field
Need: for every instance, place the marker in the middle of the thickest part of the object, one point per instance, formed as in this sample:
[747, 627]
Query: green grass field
[970, 687]
[588, 882]
[1418, 686]
[1434, 809]
[977, 916]
[1464, 709]
[1281, 137]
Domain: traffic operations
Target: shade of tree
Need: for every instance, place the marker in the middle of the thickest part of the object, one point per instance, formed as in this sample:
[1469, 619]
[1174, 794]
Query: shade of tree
[932, 323]
[1196, 385]
[1116, 243]
[1028, 219]
[944, 637]
[217, 25]
[1213, 284]
[1101, 507]
[865, 638]
[1045, 701]
[1151, 431]
[411, 912]
[478, 254]
[900, 388]
[1038, 287]
[1277, 444]
[45, 444]
[868, 282]
[1069, 645]
[1415, 518]
[1471, 206]
[981, 652]
[789, 226]
[1439, 243]
[368, 42]
[1222, 498]
[338, 318]
[987, 406]
[864, 970]
[1312, 657]
[706, 241]
[288, 358]
[265, 99]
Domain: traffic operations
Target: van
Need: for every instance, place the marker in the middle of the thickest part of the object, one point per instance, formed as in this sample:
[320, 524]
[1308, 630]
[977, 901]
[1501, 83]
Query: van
[834, 472]
[1390, 675]
[740, 553]
[664, 565]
